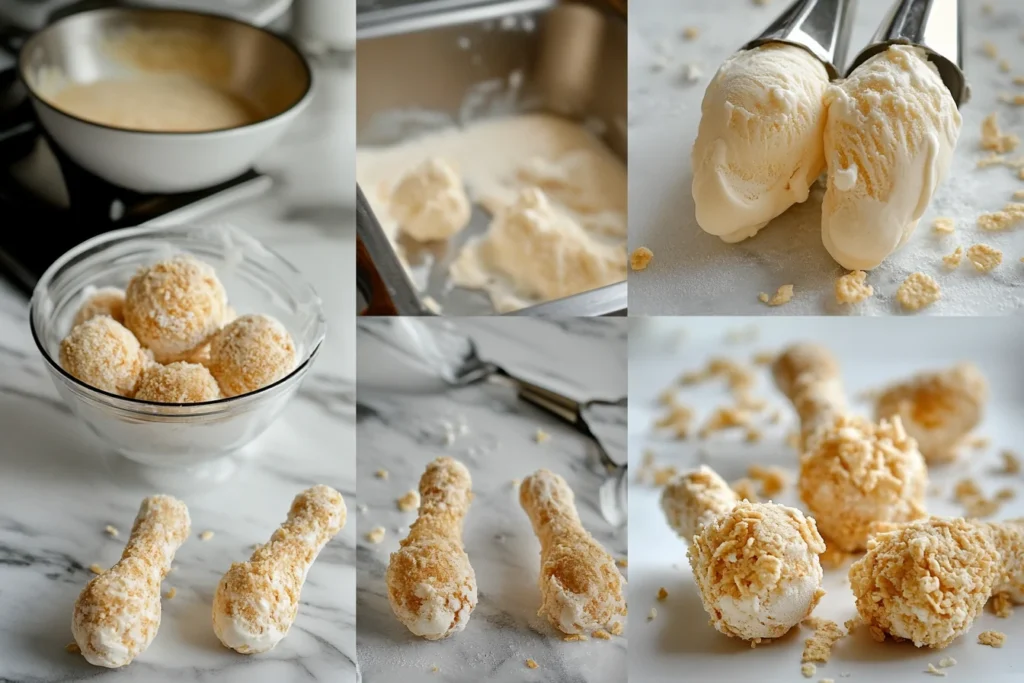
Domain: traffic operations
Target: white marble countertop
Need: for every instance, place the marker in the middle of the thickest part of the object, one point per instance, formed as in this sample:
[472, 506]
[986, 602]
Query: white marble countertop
[679, 644]
[694, 273]
[57, 492]
[403, 417]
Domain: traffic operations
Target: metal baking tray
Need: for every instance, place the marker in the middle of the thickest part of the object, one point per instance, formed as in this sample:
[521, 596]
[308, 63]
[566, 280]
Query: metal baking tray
[455, 61]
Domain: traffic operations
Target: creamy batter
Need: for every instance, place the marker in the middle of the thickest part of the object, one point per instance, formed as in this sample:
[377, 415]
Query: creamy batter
[556, 194]
[156, 103]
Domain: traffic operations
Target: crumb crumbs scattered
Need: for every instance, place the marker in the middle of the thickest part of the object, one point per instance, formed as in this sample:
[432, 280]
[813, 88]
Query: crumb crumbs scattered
[95, 568]
[979, 442]
[622, 562]
[575, 638]
[381, 474]
[640, 258]
[947, 662]
[1006, 494]
[852, 288]
[917, 291]
[1004, 66]
[1001, 605]
[73, 648]
[932, 670]
[171, 592]
[662, 594]
[953, 260]
[409, 501]
[765, 357]
[541, 436]
[992, 638]
[435, 668]
[530, 664]
[601, 634]
[753, 435]
[111, 531]
[206, 535]
[653, 614]
[984, 257]
[691, 33]
[989, 49]
[1004, 219]
[376, 534]
[782, 296]
[746, 489]
[818, 648]
[617, 628]
[772, 479]
[808, 670]
[943, 224]
[1011, 462]
[827, 680]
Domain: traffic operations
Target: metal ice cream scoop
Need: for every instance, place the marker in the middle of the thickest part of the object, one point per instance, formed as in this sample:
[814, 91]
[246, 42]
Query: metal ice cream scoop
[933, 25]
[822, 27]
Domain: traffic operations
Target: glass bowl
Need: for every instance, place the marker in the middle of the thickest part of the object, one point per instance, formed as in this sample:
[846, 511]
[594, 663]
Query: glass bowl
[174, 435]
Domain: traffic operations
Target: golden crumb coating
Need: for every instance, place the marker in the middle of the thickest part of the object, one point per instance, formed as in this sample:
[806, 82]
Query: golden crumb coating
[174, 306]
[693, 499]
[250, 353]
[103, 301]
[431, 584]
[102, 353]
[581, 588]
[938, 409]
[177, 382]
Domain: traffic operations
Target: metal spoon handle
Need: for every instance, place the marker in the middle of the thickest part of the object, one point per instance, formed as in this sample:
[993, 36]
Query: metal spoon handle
[822, 27]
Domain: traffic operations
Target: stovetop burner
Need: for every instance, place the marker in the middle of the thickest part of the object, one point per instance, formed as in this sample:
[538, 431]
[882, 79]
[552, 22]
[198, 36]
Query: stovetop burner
[49, 204]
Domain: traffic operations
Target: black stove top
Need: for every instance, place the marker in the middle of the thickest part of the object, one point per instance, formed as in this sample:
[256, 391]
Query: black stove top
[49, 204]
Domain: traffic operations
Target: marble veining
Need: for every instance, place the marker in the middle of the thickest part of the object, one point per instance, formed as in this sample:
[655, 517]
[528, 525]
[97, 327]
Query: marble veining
[406, 418]
[59, 489]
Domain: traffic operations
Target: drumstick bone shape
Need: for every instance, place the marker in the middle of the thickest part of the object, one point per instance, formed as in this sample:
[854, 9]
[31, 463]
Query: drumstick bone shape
[853, 472]
[928, 580]
[581, 588]
[257, 601]
[431, 584]
[756, 564]
[117, 614]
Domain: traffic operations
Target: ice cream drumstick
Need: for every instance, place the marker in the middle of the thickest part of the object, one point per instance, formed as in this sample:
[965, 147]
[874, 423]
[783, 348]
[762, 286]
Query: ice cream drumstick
[431, 584]
[852, 472]
[756, 564]
[928, 580]
[257, 601]
[581, 588]
[117, 614]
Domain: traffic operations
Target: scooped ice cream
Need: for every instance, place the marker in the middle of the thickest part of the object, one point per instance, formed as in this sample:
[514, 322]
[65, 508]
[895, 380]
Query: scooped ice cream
[759, 145]
[889, 137]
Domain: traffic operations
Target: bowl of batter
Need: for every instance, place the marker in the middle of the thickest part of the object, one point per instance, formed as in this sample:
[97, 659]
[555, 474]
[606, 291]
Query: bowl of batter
[163, 101]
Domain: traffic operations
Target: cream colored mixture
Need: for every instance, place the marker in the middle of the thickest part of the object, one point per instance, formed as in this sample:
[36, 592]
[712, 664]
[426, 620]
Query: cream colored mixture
[156, 103]
[556, 195]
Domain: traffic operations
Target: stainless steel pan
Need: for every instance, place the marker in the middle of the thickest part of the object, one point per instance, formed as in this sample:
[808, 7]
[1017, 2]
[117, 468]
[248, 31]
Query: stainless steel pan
[262, 68]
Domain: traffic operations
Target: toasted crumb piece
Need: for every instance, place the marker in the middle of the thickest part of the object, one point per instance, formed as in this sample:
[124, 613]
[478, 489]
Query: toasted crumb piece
[851, 288]
[992, 638]
[1011, 463]
[111, 531]
[662, 594]
[994, 139]
[1002, 605]
[617, 628]
[668, 397]
[935, 672]
[375, 535]
[984, 257]
[827, 680]
[808, 669]
[206, 535]
[947, 662]
[965, 489]
[1004, 219]
[943, 225]
[409, 501]
[663, 475]
[530, 664]
[773, 479]
[679, 419]
[782, 296]
[541, 436]
[1006, 494]
[622, 562]
[724, 418]
[640, 258]
[95, 568]
[435, 668]
[953, 260]
[73, 648]
[765, 357]
[171, 592]
[753, 435]
[601, 634]
[818, 648]
[381, 474]
[746, 489]
[1004, 66]
[978, 442]
[653, 614]
[691, 33]
[917, 291]
[575, 637]
[989, 49]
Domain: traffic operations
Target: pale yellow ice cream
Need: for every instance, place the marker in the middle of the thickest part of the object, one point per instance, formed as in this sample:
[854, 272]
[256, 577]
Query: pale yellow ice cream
[429, 201]
[759, 147]
[889, 137]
